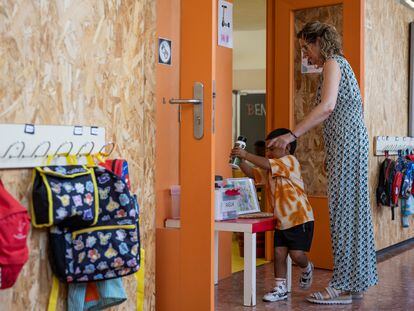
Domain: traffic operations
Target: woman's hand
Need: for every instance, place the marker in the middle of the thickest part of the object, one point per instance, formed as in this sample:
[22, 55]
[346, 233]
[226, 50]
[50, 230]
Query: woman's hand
[281, 141]
[238, 152]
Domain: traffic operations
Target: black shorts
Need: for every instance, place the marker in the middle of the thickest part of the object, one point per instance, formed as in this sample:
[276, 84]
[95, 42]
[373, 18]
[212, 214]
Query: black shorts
[297, 238]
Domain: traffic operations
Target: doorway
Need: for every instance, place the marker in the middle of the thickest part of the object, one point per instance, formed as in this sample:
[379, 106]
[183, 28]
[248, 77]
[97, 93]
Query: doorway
[249, 99]
[284, 87]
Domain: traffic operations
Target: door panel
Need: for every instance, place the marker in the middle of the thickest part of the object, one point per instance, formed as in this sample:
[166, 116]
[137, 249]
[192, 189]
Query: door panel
[223, 139]
[186, 282]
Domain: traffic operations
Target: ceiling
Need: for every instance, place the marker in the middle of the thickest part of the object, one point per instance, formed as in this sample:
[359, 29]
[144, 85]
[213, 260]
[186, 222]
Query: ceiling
[249, 14]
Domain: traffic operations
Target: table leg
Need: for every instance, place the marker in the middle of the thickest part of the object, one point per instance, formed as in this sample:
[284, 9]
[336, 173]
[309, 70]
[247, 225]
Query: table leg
[249, 292]
[289, 274]
[216, 248]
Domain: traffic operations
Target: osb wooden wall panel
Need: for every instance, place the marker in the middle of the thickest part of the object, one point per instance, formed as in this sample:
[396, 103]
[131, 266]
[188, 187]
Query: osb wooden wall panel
[310, 151]
[86, 62]
[386, 98]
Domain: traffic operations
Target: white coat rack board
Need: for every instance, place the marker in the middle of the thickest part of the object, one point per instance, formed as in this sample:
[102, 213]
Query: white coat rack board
[28, 145]
[392, 145]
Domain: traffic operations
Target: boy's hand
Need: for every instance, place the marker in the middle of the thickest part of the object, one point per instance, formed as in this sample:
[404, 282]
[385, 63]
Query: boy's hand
[238, 152]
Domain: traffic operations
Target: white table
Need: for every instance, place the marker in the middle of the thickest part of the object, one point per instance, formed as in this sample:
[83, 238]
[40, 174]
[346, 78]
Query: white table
[249, 228]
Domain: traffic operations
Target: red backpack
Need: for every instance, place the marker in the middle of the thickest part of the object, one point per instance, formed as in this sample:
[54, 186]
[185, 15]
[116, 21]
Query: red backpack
[14, 228]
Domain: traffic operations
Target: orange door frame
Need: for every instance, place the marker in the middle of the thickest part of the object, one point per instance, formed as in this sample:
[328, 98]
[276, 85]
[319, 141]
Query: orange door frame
[279, 82]
[167, 256]
[197, 157]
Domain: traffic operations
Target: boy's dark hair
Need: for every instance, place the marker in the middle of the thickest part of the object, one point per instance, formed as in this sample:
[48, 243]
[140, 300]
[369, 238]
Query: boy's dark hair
[260, 143]
[260, 148]
[279, 132]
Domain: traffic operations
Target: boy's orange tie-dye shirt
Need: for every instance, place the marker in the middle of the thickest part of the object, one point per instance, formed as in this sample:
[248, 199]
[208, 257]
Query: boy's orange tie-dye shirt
[285, 192]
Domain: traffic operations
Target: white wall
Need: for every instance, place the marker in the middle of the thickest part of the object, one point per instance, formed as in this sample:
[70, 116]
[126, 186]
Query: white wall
[249, 60]
[249, 50]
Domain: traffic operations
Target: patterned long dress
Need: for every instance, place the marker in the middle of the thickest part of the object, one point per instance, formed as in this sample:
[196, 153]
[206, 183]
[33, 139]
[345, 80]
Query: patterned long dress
[346, 147]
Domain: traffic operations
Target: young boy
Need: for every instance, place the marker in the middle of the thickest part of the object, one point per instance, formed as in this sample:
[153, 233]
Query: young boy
[280, 171]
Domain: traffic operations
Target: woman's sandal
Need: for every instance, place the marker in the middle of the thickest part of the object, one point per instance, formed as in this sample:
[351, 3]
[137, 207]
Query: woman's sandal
[334, 297]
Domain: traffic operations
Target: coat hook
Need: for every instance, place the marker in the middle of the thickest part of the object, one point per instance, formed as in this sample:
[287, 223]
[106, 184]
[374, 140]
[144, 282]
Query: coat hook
[11, 146]
[84, 146]
[60, 147]
[107, 154]
[34, 153]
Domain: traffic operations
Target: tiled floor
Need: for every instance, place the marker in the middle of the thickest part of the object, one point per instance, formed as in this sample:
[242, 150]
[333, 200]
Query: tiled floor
[394, 292]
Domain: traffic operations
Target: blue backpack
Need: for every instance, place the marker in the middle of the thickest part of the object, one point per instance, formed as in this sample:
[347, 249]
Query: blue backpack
[110, 248]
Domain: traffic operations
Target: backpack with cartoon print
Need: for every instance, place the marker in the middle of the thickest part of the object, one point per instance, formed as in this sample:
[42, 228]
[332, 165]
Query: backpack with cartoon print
[106, 250]
[65, 196]
[119, 167]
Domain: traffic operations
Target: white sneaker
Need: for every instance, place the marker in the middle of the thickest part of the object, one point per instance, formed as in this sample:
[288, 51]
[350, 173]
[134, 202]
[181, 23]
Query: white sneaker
[306, 278]
[278, 293]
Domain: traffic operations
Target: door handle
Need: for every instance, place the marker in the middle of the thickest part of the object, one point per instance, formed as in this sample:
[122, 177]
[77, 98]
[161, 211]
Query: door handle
[198, 108]
[185, 101]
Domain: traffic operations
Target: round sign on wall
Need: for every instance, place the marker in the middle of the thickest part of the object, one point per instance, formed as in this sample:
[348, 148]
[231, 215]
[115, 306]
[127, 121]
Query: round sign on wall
[164, 51]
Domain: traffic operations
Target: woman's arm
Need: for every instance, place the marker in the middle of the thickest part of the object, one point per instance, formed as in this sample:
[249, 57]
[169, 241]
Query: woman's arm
[329, 94]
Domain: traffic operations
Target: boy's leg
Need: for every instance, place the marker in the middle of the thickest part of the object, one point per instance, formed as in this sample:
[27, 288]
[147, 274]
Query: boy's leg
[279, 262]
[300, 240]
[279, 292]
[299, 258]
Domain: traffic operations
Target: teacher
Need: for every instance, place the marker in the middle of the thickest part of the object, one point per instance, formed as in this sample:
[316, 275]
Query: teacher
[339, 107]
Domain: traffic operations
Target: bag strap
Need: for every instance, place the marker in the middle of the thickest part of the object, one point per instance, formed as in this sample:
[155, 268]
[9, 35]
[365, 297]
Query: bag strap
[49, 160]
[140, 278]
[100, 157]
[54, 293]
[90, 161]
[71, 159]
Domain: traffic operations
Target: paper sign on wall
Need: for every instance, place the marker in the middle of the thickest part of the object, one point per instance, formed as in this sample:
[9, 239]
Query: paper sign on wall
[225, 24]
[309, 68]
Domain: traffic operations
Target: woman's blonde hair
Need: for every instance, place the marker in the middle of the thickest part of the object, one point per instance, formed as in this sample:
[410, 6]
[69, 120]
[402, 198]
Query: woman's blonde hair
[329, 38]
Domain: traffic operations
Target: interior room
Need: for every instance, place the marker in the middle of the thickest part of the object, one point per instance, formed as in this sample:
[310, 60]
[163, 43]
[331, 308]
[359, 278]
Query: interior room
[169, 154]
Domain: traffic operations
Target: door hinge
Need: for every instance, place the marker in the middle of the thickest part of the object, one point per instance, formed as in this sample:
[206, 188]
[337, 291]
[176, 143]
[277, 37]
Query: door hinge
[214, 107]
